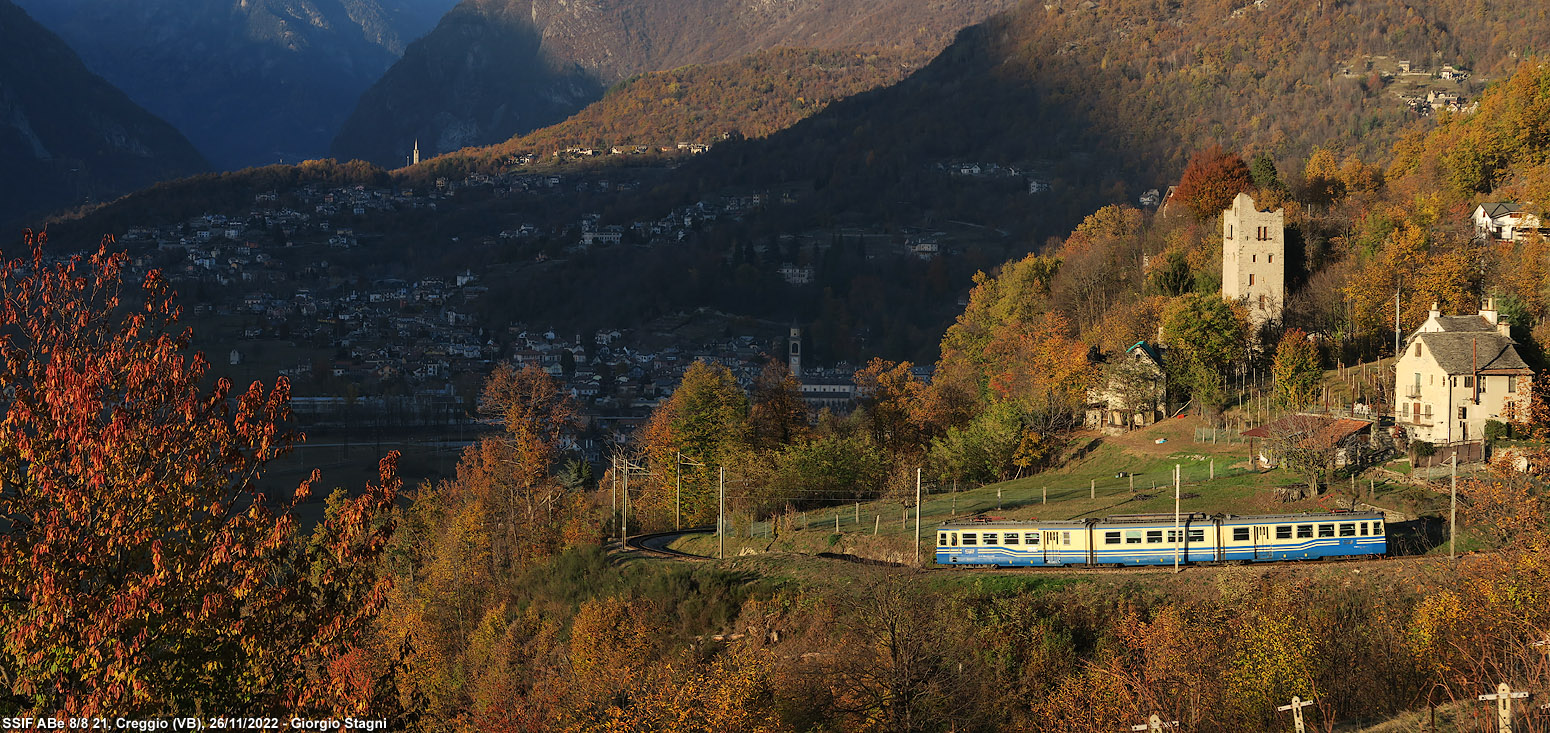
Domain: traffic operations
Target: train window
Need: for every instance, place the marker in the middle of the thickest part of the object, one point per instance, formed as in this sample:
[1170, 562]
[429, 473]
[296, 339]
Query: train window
[969, 538]
[941, 539]
[1110, 538]
[1240, 534]
[1031, 538]
[1197, 535]
[1363, 526]
[1304, 530]
[1010, 538]
[1065, 538]
[1283, 531]
[955, 539]
[1133, 537]
[1377, 528]
[1326, 530]
[990, 538]
[1173, 536]
[1153, 536]
[1348, 529]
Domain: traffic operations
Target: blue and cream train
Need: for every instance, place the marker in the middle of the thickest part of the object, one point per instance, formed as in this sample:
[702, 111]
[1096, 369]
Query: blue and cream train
[1155, 539]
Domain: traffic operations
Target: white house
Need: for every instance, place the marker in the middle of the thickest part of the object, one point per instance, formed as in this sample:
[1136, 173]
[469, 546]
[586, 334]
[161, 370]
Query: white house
[1505, 221]
[1456, 373]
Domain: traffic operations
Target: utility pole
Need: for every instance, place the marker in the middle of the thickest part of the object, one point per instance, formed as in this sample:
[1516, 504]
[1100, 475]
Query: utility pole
[613, 489]
[1396, 341]
[1092, 489]
[1504, 697]
[1296, 707]
[721, 511]
[625, 539]
[1453, 509]
[917, 516]
[1178, 527]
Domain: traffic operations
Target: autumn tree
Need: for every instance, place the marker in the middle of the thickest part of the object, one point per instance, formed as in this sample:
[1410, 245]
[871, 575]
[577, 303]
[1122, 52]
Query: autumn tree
[706, 420]
[1205, 334]
[777, 415]
[1296, 370]
[1212, 178]
[143, 569]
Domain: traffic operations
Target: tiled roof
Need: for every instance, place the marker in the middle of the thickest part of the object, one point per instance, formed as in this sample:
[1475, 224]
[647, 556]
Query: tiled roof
[1496, 209]
[1314, 431]
[1469, 351]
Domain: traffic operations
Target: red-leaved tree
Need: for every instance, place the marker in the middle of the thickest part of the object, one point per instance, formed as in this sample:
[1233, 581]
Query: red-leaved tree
[142, 570]
[1212, 178]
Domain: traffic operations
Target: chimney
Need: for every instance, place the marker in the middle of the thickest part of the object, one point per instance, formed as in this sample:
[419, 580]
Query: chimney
[1435, 311]
[1504, 328]
[1488, 310]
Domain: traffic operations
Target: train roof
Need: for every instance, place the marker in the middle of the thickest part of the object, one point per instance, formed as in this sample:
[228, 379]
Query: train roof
[1158, 518]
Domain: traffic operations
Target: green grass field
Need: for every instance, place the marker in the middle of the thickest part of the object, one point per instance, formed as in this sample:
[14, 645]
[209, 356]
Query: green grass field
[1095, 485]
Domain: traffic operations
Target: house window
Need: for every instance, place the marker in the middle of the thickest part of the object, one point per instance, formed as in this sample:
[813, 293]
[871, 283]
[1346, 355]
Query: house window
[1404, 409]
[1469, 382]
[1418, 348]
[1251, 279]
[1261, 302]
[1463, 412]
[1512, 383]
[1270, 258]
[1229, 231]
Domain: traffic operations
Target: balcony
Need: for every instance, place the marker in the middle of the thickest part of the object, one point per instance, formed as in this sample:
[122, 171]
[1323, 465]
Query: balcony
[1412, 391]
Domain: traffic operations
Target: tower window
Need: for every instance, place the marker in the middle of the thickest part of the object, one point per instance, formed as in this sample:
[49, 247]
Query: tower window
[1253, 258]
[1251, 278]
[1270, 258]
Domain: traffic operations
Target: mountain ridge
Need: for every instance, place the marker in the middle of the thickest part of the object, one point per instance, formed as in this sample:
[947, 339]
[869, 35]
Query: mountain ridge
[247, 81]
[67, 135]
[494, 69]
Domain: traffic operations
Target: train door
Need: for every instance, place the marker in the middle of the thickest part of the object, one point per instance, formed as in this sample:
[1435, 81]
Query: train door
[1262, 543]
[1051, 546]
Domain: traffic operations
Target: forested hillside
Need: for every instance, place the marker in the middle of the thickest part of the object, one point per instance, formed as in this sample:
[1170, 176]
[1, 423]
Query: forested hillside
[1106, 100]
[754, 96]
[68, 137]
[497, 68]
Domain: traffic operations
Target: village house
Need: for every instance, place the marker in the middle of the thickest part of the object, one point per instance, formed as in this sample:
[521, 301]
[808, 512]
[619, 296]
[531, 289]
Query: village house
[1135, 400]
[1456, 373]
[1506, 221]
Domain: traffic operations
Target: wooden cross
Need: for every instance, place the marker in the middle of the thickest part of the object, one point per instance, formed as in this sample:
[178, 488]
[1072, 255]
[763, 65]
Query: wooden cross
[1504, 697]
[1155, 724]
[1296, 707]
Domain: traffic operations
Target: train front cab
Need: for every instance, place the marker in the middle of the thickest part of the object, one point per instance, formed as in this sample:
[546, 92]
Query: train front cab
[1302, 536]
[1010, 545]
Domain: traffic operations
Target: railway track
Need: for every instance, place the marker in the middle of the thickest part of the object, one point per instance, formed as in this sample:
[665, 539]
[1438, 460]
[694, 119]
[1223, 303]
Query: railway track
[656, 544]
